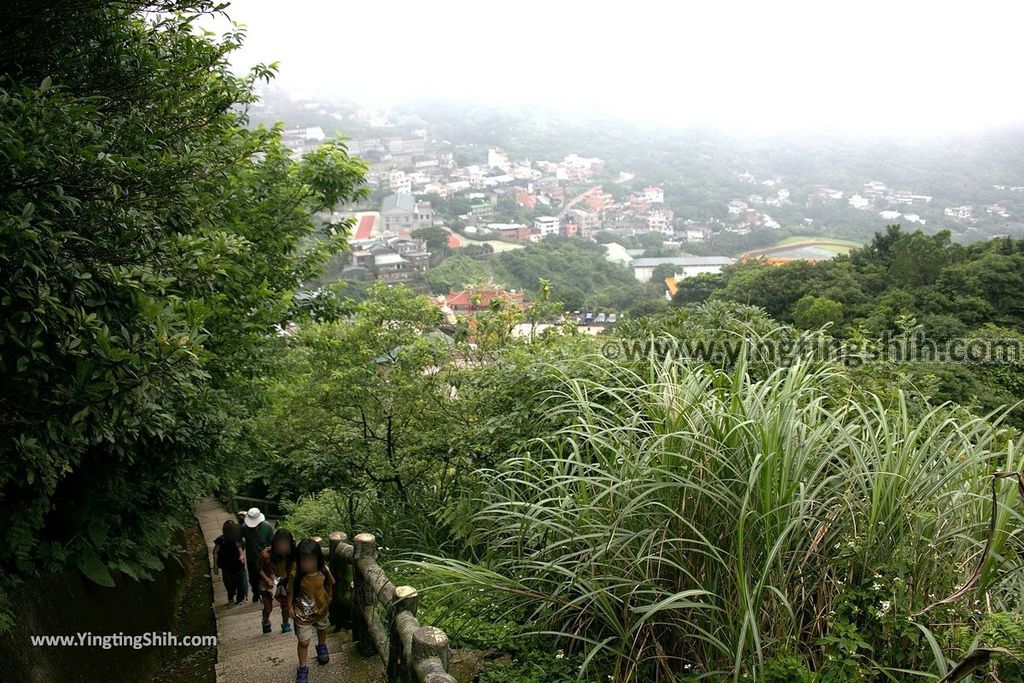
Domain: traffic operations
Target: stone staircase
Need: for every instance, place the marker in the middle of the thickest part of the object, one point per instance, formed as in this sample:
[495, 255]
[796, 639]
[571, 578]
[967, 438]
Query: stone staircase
[246, 655]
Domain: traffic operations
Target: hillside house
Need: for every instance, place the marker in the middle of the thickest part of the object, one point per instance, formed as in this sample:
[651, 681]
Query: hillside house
[401, 212]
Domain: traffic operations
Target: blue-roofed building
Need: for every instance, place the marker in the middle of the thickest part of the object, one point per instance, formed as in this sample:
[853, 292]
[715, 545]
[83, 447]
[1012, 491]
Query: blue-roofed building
[401, 212]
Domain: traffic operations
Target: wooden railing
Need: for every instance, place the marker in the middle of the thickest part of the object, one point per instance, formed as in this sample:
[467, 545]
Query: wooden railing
[271, 508]
[410, 652]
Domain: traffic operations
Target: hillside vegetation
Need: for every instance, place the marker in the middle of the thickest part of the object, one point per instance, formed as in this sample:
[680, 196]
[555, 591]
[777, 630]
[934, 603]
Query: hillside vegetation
[745, 486]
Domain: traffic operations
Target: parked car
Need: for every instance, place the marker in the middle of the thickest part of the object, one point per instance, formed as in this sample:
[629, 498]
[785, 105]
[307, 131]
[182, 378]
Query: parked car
[588, 318]
[612, 317]
[601, 317]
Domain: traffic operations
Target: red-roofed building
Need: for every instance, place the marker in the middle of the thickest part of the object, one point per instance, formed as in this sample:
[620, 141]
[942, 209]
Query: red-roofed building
[473, 300]
[511, 231]
[454, 242]
[526, 199]
[600, 201]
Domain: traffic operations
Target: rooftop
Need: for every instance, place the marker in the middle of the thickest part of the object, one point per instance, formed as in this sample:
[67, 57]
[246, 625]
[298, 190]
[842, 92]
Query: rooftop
[482, 298]
[389, 259]
[653, 261]
[400, 201]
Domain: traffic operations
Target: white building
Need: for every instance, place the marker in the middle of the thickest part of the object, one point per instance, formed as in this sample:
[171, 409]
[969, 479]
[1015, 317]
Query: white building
[962, 213]
[457, 186]
[616, 253]
[736, 207]
[399, 181]
[660, 220]
[906, 197]
[685, 266]
[858, 202]
[546, 225]
[302, 140]
[654, 195]
[498, 158]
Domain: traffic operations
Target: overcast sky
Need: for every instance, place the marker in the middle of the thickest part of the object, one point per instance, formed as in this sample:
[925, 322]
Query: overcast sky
[897, 66]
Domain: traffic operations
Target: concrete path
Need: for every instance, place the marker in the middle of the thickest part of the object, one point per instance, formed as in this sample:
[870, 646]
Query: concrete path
[245, 655]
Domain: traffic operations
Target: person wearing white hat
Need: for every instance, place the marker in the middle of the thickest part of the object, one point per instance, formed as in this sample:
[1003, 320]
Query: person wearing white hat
[256, 533]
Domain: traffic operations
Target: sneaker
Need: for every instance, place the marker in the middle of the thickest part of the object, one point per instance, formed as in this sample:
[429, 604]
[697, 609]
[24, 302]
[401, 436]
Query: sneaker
[321, 654]
[267, 628]
[302, 674]
[286, 627]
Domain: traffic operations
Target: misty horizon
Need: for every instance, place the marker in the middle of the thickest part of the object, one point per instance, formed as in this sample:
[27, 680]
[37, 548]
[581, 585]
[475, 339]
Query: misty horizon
[917, 70]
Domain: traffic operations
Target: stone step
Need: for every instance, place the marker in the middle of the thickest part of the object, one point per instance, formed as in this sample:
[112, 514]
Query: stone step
[246, 655]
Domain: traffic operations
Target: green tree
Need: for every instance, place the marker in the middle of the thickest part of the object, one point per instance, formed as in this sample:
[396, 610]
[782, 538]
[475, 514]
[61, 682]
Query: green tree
[812, 312]
[696, 289]
[365, 406]
[151, 243]
[456, 273]
[662, 271]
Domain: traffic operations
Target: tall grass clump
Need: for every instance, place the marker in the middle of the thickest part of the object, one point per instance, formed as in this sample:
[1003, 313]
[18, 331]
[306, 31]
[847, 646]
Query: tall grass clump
[694, 523]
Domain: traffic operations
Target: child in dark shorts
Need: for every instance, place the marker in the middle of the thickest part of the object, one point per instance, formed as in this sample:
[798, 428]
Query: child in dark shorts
[229, 562]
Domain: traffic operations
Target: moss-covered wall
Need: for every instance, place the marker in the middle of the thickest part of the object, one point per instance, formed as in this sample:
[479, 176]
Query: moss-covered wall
[68, 604]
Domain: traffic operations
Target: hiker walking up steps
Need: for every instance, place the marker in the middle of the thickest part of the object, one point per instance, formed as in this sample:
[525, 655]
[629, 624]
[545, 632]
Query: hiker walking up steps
[229, 561]
[256, 535]
[309, 597]
[277, 562]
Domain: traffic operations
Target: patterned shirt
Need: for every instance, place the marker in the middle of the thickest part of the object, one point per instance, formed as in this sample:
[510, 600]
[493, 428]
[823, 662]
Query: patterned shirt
[277, 570]
[314, 596]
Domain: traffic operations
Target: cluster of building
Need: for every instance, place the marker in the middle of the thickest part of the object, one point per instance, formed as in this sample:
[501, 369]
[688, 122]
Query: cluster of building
[891, 204]
[750, 212]
[874, 194]
[555, 193]
[382, 246]
[302, 140]
[569, 197]
[391, 259]
[908, 206]
[421, 167]
[467, 303]
[586, 214]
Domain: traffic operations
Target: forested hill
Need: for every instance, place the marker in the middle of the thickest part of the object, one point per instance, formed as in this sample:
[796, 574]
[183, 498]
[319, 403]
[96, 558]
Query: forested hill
[901, 283]
[949, 288]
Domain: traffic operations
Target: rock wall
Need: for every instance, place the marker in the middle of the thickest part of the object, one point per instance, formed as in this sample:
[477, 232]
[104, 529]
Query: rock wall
[68, 604]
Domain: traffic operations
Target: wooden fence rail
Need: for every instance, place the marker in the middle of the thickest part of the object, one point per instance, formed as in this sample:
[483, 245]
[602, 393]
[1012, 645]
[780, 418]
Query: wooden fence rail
[411, 653]
[271, 508]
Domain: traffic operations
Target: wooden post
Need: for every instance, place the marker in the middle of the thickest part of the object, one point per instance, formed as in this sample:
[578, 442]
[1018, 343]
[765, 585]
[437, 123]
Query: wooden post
[439, 677]
[411, 653]
[340, 613]
[334, 539]
[402, 618]
[365, 545]
[431, 655]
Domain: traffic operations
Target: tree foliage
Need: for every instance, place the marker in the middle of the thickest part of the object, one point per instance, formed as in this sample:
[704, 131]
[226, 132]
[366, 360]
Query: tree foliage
[151, 242]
